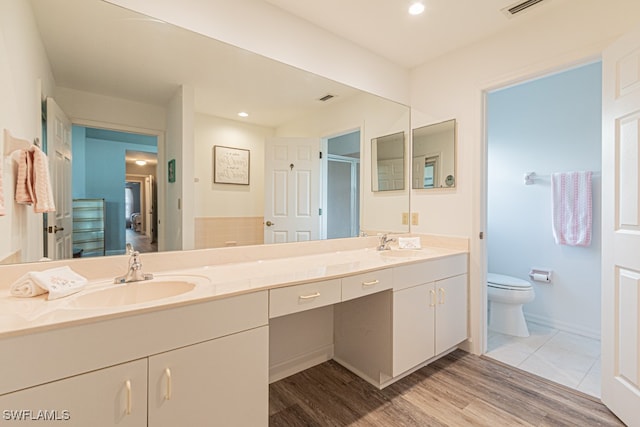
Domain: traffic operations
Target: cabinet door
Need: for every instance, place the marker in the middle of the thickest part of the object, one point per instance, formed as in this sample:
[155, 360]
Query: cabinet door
[115, 396]
[222, 382]
[451, 312]
[413, 326]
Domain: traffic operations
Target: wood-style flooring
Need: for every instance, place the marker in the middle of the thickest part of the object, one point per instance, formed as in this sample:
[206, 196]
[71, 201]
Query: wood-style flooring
[459, 389]
[140, 242]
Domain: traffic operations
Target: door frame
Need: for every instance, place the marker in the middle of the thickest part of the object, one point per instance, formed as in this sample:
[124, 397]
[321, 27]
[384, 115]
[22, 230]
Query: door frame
[482, 186]
[161, 172]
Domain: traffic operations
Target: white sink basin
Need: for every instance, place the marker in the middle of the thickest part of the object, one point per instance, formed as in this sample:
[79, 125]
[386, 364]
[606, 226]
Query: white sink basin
[137, 292]
[403, 253]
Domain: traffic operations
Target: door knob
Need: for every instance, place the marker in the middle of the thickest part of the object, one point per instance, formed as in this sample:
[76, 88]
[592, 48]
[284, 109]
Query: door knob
[269, 223]
[55, 229]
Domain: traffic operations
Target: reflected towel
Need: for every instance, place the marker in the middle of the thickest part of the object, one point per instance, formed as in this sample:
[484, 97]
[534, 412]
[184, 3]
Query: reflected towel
[41, 184]
[24, 188]
[572, 208]
[33, 182]
[59, 282]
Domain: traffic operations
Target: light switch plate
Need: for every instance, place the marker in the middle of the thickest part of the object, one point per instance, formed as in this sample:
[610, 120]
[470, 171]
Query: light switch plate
[414, 218]
[405, 218]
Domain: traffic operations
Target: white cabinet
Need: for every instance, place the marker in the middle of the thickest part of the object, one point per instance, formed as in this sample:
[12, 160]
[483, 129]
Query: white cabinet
[428, 320]
[219, 382]
[451, 312]
[216, 353]
[386, 335]
[413, 327]
[115, 396]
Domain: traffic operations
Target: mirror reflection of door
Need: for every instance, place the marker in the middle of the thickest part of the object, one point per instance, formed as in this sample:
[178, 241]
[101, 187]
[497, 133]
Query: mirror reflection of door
[292, 190]
[58, 224]
[342, 204]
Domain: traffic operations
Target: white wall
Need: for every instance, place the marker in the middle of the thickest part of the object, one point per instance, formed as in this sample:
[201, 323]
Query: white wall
[547, 125]
[267, 30]
[452, 87]
[224, 200]
[22, 64]
[177, 226]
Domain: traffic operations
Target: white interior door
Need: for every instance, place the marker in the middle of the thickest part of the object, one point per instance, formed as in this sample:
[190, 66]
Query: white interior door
[292, 190]
[621, 229]
[60, 222]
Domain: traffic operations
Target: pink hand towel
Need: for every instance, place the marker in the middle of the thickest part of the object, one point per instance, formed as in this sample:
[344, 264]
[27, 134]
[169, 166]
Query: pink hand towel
[572, 208]
[24, 188]
[41, 185]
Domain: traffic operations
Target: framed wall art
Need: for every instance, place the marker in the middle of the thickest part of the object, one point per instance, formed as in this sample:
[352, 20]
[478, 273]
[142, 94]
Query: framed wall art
[230, 165]
[171, 173]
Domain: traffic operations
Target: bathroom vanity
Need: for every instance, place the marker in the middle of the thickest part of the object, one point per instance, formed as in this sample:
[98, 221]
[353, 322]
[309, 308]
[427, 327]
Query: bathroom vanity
[204, 354]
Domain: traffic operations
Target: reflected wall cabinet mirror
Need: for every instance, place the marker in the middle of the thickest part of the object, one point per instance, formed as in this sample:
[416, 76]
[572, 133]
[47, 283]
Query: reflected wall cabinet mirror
[387, 162]
[114, 70]
[434, 150]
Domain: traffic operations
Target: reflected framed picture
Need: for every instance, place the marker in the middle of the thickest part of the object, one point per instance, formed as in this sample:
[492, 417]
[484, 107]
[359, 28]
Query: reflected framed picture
[230, 165]
[171, 173]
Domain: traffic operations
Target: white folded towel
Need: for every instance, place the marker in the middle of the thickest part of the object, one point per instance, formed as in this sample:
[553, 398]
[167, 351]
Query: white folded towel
[409, 243]
[59, 282]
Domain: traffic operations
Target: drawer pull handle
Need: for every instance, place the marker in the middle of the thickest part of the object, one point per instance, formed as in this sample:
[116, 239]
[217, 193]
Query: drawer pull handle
[370, 283]
[433, 298]
[167, 373]
[127, 384]
[311, 296]
[442, 295]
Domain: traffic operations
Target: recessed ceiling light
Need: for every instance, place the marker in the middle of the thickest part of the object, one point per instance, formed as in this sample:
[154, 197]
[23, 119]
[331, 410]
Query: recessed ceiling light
[416, 8]
[141, 162]
[243, 114]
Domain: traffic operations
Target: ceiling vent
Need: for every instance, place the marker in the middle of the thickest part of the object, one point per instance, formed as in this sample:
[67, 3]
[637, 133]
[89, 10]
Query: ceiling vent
[520, 7]
[326, 98]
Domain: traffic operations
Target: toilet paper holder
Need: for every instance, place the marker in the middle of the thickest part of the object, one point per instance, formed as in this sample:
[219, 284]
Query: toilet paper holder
[540, 275]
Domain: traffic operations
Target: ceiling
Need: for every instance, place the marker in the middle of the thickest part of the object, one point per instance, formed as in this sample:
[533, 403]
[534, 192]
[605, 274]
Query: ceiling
[385, 28]
[96, 47]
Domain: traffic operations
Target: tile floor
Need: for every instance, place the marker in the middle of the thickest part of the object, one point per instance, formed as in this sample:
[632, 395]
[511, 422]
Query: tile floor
[562, 357]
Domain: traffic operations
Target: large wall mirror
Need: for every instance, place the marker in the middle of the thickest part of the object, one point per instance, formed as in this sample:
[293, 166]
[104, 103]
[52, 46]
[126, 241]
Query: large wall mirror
[135, 88]
[434, 151]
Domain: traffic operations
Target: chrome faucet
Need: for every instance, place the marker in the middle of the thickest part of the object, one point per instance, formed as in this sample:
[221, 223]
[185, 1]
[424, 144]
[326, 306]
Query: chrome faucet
[135, 273]
[384, 242]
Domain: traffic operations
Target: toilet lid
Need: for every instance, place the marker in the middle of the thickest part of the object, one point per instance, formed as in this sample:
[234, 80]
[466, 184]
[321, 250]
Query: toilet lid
[503, 281]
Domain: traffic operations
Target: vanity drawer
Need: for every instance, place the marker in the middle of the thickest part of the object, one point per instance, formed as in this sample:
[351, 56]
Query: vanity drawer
[292, 299]
[366, 283]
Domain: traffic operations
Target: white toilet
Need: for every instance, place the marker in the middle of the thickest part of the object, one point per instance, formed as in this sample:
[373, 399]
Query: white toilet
[506, 296]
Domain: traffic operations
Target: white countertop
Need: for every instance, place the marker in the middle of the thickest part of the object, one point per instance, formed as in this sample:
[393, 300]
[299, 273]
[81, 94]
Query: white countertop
[20, 316]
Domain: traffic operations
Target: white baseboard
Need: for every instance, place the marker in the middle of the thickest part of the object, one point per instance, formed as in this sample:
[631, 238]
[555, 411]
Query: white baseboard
[300, 363]
[563, 326]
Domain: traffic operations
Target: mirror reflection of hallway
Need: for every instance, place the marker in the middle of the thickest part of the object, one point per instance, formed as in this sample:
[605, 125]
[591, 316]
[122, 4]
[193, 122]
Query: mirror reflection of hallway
[104, 160]
[140, 201]
[343, 186]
